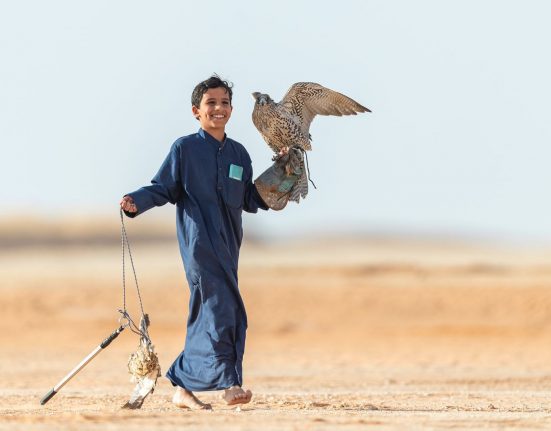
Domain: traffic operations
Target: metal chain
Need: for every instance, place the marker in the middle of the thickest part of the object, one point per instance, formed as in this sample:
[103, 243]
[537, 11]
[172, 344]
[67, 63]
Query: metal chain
[125, 245]
[308, 168]
[123, 267]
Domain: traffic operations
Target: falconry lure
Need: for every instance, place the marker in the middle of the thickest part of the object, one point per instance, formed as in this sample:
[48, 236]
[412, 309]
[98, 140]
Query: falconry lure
[144, 367]
[286, 125]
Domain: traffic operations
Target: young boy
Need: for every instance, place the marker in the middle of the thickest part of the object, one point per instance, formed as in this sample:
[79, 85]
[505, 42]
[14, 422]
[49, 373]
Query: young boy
[209, 178]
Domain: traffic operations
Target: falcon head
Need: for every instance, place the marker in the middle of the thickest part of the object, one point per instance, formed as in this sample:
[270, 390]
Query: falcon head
[262, 99]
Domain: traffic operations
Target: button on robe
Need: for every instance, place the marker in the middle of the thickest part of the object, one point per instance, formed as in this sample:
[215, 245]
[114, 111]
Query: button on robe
[195, 177]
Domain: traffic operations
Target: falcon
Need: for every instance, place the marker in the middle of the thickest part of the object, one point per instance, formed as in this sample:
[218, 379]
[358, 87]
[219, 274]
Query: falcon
[286, 124]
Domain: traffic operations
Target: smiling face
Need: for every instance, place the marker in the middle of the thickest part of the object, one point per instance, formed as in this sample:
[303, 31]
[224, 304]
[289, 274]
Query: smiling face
[214, 111]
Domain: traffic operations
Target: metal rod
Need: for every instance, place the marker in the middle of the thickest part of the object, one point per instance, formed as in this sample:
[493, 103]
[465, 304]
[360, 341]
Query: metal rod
[81, 365]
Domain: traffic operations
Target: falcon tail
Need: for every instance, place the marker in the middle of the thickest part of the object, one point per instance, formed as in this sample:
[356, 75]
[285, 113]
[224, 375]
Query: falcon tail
[300, 188]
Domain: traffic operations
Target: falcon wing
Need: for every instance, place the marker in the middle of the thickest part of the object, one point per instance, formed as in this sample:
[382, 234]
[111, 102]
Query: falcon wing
[305, 100]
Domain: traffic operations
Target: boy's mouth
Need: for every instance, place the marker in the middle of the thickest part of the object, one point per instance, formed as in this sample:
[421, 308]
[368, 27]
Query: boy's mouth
[218, 117]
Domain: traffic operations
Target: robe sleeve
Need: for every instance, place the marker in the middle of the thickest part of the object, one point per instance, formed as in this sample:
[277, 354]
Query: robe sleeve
[252, 200]
[165, 187]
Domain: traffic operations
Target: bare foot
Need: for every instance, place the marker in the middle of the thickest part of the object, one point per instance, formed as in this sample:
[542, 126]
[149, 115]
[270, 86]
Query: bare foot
[186, 400]
[236, 395]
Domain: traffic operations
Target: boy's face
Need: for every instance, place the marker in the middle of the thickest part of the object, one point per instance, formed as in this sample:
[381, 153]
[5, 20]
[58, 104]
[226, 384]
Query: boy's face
[214, 110]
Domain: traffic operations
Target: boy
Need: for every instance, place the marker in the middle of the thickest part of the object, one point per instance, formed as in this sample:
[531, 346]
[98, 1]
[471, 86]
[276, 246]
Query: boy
[209, 178]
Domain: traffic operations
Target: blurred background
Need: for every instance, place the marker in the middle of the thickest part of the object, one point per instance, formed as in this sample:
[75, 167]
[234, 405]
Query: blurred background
[94, 93]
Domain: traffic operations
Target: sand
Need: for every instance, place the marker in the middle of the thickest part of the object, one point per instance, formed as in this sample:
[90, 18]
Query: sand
[362, 334]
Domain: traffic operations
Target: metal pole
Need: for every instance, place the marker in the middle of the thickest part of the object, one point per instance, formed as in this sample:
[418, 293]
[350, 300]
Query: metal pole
[81, 365]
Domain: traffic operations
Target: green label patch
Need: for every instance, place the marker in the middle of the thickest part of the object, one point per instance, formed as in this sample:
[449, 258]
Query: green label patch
[236, 172]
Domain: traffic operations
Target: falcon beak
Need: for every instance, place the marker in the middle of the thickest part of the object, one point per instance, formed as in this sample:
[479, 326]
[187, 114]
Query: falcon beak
[256, 95]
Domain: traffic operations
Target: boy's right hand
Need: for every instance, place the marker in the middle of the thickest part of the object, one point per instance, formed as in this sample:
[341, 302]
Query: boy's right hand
[127, 204]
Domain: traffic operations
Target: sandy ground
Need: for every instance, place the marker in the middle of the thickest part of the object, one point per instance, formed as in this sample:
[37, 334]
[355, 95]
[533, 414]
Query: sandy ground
[349, 335]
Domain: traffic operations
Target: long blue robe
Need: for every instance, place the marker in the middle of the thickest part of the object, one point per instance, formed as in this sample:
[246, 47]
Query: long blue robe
[196, 177]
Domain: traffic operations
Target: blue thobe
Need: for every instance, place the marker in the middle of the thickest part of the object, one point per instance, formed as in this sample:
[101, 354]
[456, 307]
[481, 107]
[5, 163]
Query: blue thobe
[196, 177]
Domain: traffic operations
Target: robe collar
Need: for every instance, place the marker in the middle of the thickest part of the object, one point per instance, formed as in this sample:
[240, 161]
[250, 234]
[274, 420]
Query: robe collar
[209, 138]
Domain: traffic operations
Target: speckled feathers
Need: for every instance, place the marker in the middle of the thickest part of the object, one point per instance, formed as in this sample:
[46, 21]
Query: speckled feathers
[287, 123]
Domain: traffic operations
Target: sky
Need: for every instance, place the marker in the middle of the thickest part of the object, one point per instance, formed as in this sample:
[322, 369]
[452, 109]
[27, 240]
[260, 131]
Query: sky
[94, 93]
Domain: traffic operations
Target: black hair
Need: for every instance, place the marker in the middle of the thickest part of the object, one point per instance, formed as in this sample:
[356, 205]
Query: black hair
[213, 82]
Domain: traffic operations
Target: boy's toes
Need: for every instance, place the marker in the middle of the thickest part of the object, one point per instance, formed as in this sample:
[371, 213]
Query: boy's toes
[247, 396]
[236, 395]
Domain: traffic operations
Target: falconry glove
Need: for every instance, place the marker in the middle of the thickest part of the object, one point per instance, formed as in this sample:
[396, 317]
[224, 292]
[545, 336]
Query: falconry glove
[285, 180]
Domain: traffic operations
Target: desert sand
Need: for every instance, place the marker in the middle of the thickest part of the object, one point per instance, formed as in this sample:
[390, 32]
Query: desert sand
[359, 334]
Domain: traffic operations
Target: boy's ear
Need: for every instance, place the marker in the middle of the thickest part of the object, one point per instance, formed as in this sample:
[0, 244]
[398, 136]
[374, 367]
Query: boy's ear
[195, 111]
